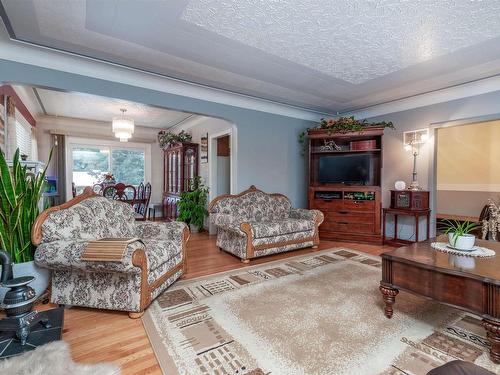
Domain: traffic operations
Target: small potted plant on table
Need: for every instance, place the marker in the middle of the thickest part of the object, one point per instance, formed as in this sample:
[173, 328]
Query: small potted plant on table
[193, 205]
[459, 234]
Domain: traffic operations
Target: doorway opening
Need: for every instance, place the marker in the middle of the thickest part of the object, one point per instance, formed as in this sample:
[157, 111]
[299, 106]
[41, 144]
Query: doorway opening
[220, 177]
[466, 171]
[223, 164]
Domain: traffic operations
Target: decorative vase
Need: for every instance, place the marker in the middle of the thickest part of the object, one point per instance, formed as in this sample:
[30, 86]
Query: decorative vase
[465, 242]
[42, 277]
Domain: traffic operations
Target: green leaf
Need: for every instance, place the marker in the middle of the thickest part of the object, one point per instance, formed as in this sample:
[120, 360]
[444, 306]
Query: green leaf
[20, 193]
[7, 189]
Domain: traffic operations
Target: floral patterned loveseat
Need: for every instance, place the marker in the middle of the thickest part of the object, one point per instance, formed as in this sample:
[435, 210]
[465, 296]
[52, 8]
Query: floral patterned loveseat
[254, 224]
[147, 267]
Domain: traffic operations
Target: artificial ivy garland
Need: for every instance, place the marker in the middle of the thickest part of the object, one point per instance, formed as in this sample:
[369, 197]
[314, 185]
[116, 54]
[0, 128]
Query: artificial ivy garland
[342, 125]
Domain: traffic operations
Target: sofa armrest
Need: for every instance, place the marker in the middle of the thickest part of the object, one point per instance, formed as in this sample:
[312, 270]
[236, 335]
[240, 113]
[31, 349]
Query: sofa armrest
[172, 230]
[227, 221]
[302, 213]
[65, 254]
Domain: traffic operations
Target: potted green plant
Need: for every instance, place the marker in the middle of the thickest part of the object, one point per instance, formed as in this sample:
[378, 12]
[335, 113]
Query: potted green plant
[459, 234]
[166, 138]
[20, 193]
[193, 205]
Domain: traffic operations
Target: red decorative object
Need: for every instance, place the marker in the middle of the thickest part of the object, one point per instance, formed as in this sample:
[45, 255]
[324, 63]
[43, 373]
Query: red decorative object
[369, 144]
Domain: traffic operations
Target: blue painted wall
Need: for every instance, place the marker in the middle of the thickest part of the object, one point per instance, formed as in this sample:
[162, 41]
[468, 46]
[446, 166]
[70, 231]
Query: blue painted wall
[268, 152]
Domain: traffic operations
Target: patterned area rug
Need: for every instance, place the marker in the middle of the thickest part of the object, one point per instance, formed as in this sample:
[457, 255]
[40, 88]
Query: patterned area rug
[320, 313]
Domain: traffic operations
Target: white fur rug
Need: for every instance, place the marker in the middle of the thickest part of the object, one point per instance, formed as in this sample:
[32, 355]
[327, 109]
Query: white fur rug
[53, 359]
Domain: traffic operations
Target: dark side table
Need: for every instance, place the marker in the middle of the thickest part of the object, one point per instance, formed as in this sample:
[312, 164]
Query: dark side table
[417, 214]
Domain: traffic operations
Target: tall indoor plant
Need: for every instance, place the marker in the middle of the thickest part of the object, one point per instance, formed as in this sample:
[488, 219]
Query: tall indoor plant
[193, 205]
[20, 194]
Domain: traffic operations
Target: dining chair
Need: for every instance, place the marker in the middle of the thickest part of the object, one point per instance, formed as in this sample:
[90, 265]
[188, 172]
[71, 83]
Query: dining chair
[121, 192]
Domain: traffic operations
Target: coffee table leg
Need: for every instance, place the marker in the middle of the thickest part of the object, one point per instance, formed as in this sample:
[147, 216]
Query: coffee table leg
[389, 295]
[493, 334]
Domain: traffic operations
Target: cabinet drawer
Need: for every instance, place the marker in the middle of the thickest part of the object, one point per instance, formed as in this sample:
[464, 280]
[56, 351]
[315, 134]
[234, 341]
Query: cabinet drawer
[345, 226]
[351, 217]
[327, 204]
[359, 205]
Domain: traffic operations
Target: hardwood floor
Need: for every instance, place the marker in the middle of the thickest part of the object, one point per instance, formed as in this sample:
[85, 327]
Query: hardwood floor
[105, 336]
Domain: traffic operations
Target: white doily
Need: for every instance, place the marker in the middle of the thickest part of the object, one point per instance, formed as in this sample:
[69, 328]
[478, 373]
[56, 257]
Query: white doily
[477, 251]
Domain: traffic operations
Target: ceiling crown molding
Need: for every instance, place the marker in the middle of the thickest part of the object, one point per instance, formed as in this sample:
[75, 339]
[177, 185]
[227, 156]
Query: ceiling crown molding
[31, 54]
[469, 89]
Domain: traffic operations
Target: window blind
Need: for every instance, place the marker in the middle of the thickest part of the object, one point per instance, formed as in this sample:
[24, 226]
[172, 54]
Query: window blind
[24, 137]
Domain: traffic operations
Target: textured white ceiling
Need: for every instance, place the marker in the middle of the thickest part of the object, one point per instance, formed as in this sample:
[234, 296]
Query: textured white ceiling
[355, 41]
[323, 55]
[98, 108]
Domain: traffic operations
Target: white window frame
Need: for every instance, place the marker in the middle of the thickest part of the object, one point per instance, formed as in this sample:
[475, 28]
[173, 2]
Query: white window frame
[89, 142]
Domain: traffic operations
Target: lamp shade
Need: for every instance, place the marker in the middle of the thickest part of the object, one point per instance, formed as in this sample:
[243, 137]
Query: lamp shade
[415, 137]
[123, 127]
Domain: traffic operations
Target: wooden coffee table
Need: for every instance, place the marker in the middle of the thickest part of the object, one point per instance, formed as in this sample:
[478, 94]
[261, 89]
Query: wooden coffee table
[421, 270]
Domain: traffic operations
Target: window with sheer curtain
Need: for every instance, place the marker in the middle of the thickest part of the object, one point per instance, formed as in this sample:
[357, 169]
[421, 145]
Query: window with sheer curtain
[91, 160]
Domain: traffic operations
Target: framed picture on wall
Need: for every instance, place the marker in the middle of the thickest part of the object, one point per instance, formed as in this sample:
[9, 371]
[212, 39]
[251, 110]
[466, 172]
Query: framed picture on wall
[204, 149]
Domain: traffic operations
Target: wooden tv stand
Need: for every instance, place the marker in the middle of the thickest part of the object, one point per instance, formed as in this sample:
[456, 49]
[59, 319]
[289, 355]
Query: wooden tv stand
[352, 212]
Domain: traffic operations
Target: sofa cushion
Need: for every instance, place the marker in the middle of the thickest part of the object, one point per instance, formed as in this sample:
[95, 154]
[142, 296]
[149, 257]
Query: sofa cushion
[255, 206]
[160, 251]
[276, 228]
[90, 219]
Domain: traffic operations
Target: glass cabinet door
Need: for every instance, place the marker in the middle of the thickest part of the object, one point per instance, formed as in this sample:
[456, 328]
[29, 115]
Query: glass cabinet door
[189, 168]
[170, 172]
[181, 167]
[178, 170]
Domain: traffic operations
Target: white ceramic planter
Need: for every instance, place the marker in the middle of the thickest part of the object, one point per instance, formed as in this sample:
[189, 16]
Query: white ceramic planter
[193, 228]
[465, 242]
[42, 277]
[460, 261]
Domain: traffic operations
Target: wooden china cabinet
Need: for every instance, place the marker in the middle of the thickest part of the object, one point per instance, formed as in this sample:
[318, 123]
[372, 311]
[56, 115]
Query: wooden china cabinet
[180, 168]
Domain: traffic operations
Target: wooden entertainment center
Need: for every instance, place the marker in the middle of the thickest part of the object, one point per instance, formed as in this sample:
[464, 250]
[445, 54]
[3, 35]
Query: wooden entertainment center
[345, 171]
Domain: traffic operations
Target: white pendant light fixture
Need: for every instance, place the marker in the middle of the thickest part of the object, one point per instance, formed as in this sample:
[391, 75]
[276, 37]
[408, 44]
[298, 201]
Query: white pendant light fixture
[123, 127]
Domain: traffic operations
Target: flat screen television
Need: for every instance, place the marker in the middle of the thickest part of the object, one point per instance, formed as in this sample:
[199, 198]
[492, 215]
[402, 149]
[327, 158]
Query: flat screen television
[346, 169]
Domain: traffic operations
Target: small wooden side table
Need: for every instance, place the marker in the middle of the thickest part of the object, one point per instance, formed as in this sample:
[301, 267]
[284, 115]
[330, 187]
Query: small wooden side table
[417, 214]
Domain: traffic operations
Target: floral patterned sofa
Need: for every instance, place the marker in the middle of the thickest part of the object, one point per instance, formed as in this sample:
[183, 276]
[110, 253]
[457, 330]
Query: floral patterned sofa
[253, 224]
[147, 267]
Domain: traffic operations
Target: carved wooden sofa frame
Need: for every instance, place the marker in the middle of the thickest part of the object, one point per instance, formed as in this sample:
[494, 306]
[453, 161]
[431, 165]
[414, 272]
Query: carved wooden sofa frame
[245, 227]
[139, 258]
